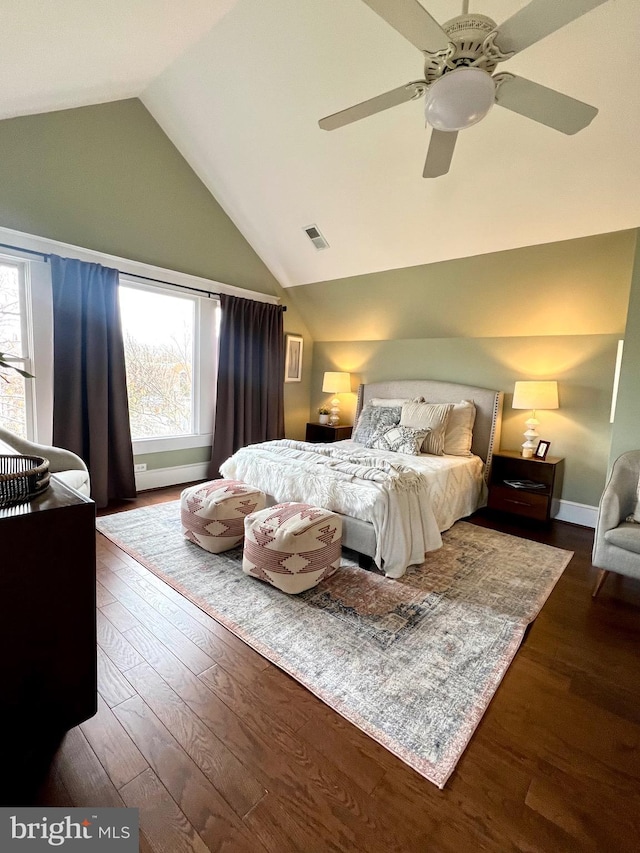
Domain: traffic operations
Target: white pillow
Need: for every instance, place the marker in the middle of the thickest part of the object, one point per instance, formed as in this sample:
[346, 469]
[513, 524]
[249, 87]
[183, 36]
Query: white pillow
[393, 401]
[431, 416]
[459, 434]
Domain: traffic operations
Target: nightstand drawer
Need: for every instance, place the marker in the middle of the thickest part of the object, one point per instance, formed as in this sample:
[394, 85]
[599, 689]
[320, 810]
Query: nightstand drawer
[519, 501]
[326, 433]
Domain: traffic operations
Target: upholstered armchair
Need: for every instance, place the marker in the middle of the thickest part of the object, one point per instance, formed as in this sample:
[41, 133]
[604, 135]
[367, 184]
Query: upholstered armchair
[63, 463]
[616, 547]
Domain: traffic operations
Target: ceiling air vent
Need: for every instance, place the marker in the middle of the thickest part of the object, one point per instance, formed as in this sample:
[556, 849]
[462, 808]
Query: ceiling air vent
[316, 237]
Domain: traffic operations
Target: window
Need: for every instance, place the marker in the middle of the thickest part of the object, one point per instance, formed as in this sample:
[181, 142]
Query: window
[15, 393]
[159, 336]
[170, 346]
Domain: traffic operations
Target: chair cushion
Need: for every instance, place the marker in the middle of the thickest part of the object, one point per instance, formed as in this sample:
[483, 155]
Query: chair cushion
[292, 546]
[625, 535]
[213, 513]
[78, 480]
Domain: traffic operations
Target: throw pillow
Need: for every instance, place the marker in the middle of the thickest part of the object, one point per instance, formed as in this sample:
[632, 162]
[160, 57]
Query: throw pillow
[400, 439]
[459, 433]
[374, 419]
[431, 416]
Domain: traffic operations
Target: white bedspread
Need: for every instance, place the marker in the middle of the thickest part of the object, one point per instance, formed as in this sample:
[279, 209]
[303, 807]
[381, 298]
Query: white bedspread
[408, 499]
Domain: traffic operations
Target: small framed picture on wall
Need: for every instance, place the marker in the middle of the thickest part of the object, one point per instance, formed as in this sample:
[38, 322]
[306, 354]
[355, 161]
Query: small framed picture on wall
[293, 358]
[542, 449]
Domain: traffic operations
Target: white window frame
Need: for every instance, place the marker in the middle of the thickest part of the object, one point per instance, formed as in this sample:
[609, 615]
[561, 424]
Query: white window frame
[25, 361]
[205, 366]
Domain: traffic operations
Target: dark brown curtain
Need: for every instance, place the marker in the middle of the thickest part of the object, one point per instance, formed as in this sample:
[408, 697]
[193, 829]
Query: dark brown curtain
[250, 395]
[90, 406]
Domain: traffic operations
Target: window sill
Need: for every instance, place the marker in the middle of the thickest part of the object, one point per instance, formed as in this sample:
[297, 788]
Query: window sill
[170, 442]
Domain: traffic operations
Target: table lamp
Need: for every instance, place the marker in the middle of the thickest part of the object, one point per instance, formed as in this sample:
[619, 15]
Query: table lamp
[534, 395]
[336, 383]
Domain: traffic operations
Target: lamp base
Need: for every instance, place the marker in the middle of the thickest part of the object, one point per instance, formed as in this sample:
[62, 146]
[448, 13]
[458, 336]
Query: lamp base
[532, 437]
[334, 417]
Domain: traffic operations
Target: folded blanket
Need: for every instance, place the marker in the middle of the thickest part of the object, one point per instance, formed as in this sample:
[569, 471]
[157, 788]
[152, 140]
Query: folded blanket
[349, 461]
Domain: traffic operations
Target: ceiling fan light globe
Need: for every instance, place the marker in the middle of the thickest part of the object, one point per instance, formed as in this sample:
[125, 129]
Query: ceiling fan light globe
[459, 99]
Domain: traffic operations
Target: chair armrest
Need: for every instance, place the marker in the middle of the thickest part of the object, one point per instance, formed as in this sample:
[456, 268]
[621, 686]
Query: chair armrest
[59, 458]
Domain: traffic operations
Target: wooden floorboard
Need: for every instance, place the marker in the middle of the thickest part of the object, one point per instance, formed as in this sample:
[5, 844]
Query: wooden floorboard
[222, 751]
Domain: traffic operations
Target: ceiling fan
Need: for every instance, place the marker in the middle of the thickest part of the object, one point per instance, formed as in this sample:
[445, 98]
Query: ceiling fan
[459, 84]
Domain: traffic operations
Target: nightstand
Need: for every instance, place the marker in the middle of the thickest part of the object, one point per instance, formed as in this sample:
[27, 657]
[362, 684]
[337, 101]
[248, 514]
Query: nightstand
[528, 503]
[326, 433]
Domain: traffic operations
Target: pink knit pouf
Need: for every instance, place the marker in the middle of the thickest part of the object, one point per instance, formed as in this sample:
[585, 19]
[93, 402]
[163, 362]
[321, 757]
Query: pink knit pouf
[213, 513]
[292, 545]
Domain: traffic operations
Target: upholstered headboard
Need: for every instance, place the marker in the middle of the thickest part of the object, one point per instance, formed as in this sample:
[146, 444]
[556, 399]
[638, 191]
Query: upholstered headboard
[486, 430]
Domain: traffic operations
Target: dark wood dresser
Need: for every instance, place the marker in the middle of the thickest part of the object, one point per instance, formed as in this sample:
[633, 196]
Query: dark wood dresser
[47, 629]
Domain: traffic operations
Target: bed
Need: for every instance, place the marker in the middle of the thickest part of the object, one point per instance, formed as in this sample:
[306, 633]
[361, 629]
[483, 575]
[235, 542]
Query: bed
[394, 506]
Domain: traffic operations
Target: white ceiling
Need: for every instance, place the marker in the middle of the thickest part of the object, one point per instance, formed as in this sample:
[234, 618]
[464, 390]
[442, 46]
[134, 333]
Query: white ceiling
[239, 86]
[59, 54]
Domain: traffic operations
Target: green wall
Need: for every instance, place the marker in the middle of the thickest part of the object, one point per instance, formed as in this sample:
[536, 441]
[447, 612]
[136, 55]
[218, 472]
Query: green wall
[626, 428]
[550, 312]
[579, 430]
[107, 178]
[573, 287]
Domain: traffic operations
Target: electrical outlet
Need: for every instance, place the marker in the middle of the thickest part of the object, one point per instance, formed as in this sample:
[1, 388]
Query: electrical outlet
[141, 466]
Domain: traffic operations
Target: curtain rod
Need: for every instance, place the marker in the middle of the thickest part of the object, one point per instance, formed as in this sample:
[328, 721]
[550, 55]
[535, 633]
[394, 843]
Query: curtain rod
[207, 293]
[28, 251]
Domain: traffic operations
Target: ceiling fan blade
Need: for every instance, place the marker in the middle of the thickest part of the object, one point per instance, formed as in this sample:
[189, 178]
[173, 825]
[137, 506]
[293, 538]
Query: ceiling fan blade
[413, 22]
[440, 152]
[544, 105]
[372, 106]
[539, 19]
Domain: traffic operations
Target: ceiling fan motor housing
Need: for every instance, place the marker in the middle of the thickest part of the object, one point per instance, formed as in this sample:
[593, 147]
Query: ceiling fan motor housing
[470, 45]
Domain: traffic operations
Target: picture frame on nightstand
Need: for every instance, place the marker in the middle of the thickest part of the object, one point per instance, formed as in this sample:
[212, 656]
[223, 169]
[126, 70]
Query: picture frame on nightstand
[541, 450]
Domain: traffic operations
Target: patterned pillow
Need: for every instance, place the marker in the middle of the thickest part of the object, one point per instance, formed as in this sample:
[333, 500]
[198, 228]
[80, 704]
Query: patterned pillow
[429, 416]
[400, 439]
[374, 419]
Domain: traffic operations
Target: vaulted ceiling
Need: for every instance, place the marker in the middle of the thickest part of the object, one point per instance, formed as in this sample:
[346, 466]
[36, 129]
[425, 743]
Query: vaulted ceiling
[239, 86]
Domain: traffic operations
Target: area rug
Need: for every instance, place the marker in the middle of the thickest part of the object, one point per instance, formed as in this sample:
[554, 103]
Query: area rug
[413, 662]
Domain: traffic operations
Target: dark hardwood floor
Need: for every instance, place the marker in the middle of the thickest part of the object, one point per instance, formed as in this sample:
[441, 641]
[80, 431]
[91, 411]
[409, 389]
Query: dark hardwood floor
[222, 751]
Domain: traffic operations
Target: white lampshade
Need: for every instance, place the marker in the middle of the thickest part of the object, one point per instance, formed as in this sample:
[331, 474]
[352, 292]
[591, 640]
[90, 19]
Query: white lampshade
[459, 99]
[336, 383]
[535, 395]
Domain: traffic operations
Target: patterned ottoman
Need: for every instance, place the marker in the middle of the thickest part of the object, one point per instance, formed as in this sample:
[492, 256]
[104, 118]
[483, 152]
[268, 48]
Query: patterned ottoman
[213, 513]
[292, 545]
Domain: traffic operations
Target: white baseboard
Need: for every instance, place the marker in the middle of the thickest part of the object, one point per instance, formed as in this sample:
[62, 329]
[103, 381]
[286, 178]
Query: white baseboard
[158, 477]
[575, 513]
